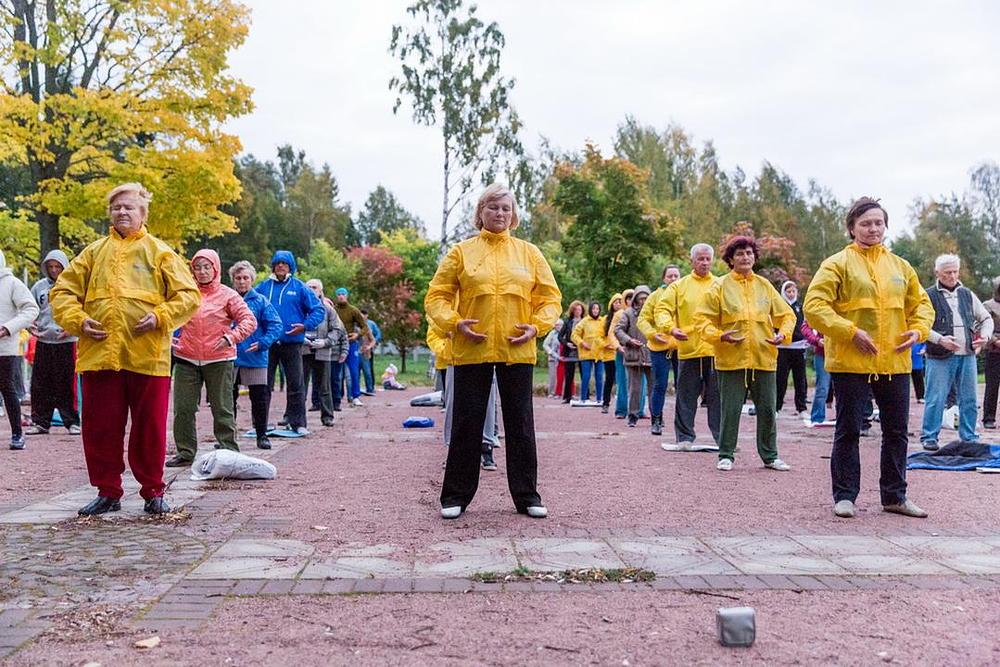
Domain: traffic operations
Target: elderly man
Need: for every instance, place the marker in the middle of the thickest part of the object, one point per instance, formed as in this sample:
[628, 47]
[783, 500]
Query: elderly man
[675, 315]
[123, 296]
[961, 326]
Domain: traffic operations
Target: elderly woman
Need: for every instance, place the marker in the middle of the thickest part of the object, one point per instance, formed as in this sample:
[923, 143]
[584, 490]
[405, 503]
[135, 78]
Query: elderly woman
[792, 354]
[507, 297]
[204, 352]
[745, 319]
[251, 352]
[327, 342]
[123, 296]
[635, 352]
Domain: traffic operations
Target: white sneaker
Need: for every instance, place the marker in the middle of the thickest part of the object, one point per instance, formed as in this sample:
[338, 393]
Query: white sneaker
[35, 429]
[778, 464]
[302, 430]
[724, 464]
[844, 509]
[357, 403]
[74, 430]
[451, 512]
[537, 512]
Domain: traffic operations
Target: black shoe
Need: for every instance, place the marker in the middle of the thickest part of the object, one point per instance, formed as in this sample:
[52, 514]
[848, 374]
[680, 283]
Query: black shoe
[327, 422]
[368, 393]
[604, 409]
[488, 462]
[866, 431]
[632, 420]
[337, 408]
[156, 505]
[100, 505]
[989, 425]
[263, 443]
[565, 401]
[314, 408]
[178, 461]
[930, 446]
[656, 428]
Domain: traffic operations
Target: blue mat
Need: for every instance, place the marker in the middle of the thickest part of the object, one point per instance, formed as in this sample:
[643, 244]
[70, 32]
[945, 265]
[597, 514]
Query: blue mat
[957, 455]
[278, 433]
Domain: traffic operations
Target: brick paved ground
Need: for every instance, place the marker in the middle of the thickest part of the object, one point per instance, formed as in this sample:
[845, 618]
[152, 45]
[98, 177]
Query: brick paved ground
[349, 533]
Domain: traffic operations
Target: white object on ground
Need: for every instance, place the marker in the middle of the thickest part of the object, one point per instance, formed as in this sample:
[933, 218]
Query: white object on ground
[688, 447]
[227, 464]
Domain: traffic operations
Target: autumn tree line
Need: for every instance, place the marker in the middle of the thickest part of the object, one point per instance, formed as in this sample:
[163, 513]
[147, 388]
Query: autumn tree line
[97, 92]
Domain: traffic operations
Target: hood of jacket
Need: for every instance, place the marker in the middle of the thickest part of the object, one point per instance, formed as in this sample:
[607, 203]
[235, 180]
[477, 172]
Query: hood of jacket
[784, 296]
[287, 257]
[213, 257]
[58, 256]
[617, 295]
[4, 271]
[638, 290]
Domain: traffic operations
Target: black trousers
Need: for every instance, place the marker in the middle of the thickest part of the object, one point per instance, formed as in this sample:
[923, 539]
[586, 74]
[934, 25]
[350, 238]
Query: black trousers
[472, 393]
[694, 378]
[793, 361]
[609, 382]
[917, 375]
[53, 380]
[289, 355]
[8, 392]
[569, 372]
[318, 371]
[260, 403]
[992, 386]
[854, 393]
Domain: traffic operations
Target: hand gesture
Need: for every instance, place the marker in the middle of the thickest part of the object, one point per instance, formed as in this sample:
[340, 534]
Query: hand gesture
[910, 339]
[296, 329]
[661, 338]
[464, 327]
[93, 329]
[776, 340]
[528, 331]
[586, 346]
[678, 333]
[864, 343]
[147, 323]
[732, 336]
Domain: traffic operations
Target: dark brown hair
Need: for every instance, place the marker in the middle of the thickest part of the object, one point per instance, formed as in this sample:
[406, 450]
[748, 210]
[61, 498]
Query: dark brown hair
[859, 208]
[736, 243]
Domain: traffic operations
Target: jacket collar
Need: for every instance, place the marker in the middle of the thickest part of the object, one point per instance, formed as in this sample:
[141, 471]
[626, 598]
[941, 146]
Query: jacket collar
[492, 237]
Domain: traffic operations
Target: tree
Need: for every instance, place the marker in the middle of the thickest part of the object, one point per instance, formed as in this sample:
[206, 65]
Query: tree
[777, 260]
[450, 73]
[381, 285]
[381, 215]
[420, 261]
[97, 92]
[314, 212]
[329, 265]
[615, 231]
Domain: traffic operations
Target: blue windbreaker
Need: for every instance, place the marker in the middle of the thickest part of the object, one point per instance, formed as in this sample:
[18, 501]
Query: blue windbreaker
[269, 328]
[294, 301]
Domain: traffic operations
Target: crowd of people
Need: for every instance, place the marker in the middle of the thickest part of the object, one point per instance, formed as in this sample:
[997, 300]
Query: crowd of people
[139, 324]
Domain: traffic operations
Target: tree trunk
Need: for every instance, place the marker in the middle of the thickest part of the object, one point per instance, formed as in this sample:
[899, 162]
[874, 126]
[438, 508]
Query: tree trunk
[444, 203]
[48, 232]
[402, 359]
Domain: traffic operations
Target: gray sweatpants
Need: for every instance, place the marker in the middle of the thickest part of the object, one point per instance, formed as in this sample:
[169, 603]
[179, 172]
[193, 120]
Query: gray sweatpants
[490, 434]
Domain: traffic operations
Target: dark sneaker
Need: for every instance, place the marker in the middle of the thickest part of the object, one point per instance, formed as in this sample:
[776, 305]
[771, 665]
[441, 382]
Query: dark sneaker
[100, 505]
[263, 443]
[989, 425]
[283, 423]
[656, 428]
[178, 461]
[632, 421]
[315, 408]
[17, 442]
[327, 422]
[930, 446]
[156, 505]
[337, 408]
[604, 409]
[488, 462]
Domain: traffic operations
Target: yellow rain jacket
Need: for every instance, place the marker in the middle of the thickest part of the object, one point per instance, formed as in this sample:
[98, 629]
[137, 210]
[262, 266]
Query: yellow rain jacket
[676, 309]
[116, 281]
[647, 323]
[870, 289]
[612, 344]
[750, 304]
[591, 332]
[440, 345]
[501, 281]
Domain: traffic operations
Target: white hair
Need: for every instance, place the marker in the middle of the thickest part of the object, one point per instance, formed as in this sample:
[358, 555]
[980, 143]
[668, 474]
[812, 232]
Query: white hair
[947, 260]
[242, 266]
[702, 247]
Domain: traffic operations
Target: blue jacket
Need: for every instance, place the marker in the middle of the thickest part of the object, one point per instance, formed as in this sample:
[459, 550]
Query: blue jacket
[376, 332]
[269, 328]
[294, 301]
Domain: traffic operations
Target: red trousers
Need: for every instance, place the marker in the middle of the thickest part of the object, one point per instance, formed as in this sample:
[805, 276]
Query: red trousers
[108, 399]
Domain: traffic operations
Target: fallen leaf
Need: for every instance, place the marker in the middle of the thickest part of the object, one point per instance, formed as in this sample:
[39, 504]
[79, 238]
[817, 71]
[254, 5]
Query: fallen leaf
[152, 642]
[321, 527]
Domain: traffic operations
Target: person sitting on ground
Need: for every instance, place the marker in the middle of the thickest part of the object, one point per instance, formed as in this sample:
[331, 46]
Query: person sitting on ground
[389, 381]
[53, 372]
[123, 295]
[251, 352]
[739, 316]
[204, 353]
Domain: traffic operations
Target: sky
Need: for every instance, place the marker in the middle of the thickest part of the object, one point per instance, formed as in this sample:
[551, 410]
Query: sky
[894, 99]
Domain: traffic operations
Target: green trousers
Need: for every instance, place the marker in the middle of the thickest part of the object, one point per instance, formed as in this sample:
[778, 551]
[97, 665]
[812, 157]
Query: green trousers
[218, 380]
[733, 389]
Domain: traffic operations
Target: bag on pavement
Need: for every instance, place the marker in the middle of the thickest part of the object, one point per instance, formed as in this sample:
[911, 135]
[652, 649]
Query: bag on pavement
[227, 464]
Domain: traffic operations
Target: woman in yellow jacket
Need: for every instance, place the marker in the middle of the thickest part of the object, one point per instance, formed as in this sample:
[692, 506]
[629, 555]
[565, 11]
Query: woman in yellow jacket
[609, 354]
[589, 338]
[869, 305]
[507, 297]
[123, 295]
[745, 319]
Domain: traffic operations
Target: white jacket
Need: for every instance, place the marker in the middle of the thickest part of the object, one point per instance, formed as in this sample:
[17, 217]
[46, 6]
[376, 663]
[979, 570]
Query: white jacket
[18, 309]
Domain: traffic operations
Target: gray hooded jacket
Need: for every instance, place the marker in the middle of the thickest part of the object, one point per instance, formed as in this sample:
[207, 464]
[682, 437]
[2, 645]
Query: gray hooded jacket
[48, 330]
[17, 309]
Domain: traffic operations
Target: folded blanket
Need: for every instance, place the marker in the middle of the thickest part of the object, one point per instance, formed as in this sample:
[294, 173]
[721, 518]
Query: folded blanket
[956, 455]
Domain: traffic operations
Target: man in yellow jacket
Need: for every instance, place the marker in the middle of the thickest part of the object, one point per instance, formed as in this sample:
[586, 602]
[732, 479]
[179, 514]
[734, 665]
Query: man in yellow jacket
[660, 345]
[745, 319]
[506, 297]
[123, 296]
[870, 306]
[674, 315]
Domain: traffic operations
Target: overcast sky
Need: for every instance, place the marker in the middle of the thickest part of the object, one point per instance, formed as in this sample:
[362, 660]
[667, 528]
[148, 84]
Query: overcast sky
[895, 99]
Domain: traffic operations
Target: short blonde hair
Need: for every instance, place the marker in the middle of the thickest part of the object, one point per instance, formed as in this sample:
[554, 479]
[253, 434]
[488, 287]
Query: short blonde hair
[492, 192]
[242, 265]
[144, 195]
